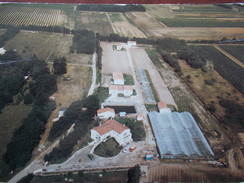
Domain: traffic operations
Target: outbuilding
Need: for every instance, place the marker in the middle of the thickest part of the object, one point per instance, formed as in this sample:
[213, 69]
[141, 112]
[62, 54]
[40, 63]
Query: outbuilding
[131, 43]
[118, 78]
[162, 107]
[106, 113]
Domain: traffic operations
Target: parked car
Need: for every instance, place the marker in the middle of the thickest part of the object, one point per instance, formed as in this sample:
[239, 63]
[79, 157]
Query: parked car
[91, 157]
[132, 148]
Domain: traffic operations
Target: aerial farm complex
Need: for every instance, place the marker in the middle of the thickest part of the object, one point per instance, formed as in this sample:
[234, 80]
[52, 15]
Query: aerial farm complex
[121, 93]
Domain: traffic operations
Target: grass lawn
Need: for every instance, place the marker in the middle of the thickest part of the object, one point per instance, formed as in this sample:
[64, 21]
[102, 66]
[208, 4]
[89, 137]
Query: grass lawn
[102, 93]
[128, 79]
[108, 148]
[195, 22]
[11, 118]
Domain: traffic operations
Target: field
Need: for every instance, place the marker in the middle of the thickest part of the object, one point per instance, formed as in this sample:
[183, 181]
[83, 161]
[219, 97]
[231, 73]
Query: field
[13, 15]
[94, 21]
[200, 22]
[236, 51]
[190, 172]
[196, 22]
[10, 119]
[123, 27]
[208, 94]
[149, 25]
[75, 88]
[227, 68]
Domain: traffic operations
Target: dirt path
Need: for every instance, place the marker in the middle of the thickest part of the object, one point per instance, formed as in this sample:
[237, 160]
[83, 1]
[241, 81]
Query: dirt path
[111, 24]
[234, 59]
[94, 75]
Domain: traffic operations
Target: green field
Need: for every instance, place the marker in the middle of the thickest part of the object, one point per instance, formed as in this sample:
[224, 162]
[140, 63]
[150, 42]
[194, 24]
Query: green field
[202, 9]
[236, 51]
[196, 22]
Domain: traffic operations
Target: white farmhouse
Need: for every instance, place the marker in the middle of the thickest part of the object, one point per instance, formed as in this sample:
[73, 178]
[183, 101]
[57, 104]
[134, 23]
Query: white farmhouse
[106, 113]
[125, 90]
[112, 128]
[162, 107]
[2, 51]
[131, 43]
[118, 78]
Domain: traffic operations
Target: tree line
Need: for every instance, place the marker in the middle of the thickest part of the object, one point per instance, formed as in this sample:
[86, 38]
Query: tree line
[80, 113]
[84, 41]
[111, 8]
[27, 136]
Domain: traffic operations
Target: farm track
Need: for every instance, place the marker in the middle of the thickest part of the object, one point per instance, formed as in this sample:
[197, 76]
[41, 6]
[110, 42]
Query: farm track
[234, 59]
[111, 23]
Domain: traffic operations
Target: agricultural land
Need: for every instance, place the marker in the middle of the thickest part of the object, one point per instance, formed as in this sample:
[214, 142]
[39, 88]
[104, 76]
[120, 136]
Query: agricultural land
[58, 69]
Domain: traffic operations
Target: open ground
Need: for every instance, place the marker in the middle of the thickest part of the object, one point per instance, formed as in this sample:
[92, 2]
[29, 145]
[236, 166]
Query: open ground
[123, 27]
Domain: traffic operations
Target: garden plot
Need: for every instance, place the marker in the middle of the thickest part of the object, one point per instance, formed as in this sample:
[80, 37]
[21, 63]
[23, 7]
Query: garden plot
[114, 61]
[124, 28]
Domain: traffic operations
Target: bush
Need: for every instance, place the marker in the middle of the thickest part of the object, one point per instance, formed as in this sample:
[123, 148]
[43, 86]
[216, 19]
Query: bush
[28, 99]
[209, 82]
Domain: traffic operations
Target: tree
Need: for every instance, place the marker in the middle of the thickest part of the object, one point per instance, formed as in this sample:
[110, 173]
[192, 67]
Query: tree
[60, 66]
[134, 174]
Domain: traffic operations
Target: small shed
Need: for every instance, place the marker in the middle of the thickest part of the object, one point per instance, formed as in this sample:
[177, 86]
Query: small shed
[131, 43]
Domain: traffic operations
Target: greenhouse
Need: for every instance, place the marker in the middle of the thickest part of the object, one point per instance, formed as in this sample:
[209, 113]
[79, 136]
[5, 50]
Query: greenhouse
[148, 94]
[178, 136]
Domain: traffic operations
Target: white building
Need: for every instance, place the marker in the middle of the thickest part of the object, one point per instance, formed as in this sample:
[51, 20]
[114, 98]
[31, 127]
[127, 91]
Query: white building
[162, 107]
[131, 43]
[118, 78]
[112, 128]
[139, 117]
[2, 51]
[125, 90]
[128, 91]
[106, 113]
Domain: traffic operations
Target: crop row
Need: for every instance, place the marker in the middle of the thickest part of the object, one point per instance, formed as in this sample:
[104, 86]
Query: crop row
[28, 16]
[227, 68]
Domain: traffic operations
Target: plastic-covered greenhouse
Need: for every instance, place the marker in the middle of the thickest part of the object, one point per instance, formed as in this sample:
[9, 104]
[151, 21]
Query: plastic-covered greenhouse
[178, 136]
[149, 98]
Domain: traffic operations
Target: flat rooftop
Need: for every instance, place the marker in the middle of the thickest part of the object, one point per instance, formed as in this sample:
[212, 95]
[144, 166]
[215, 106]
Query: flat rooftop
[178, 136]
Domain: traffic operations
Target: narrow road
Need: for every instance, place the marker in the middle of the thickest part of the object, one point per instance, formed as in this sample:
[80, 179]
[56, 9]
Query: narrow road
[230, 56]
[94, 75]
[74, 64]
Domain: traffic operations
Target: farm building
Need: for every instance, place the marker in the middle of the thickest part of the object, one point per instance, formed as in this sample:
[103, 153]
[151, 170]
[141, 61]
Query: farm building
[139, 117]
[112, 128]
[106, 113]
[131, 43]
[118, 78]
[178, 136]
[125, 90]
[2, 51]
[162, 107]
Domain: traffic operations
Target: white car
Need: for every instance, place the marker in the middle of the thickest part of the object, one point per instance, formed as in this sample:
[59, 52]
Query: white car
[125, 150]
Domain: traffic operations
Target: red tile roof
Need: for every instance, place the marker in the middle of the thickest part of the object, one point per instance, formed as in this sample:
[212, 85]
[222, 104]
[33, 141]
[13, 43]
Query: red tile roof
[99, 111]
[109, 126]
[162, 105]
[118, 76]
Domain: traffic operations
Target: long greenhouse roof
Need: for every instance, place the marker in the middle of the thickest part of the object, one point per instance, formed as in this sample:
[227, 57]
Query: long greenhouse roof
[178, 133]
